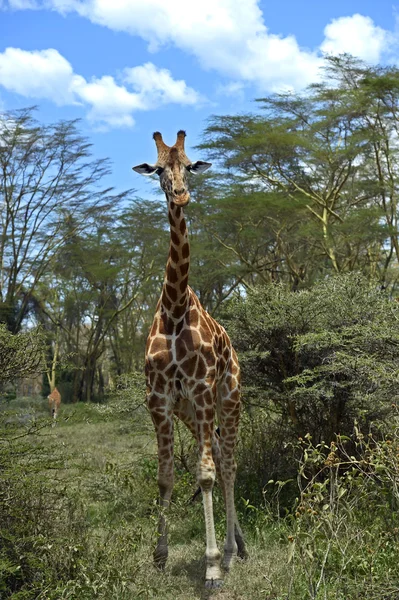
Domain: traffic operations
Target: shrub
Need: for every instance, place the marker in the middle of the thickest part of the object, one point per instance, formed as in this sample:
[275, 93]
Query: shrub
[345, 531]
[320, 358]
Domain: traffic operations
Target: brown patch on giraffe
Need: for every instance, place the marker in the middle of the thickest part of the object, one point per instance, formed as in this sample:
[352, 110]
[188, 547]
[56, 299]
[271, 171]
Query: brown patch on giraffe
[172, 293]
[199, 414]
[211, 373]
[209, 414]
[208, 397]
[157, 418]
[200, 401]
[181, 350]
[204, 327]
[212, 326]
[175, 238]
[200, 388]
[184, 268]
[165, 301]
[174, 255]
[208, 355]
[154, 402]
[183, 227]
[165, 325]
[189, 365]
[164, 429]
[170, 371]
[160, 360]
[191, 339]
[185, 251]
[183, 283]
[192, 318]
[172, 274]
[201, 368]
[160, 344]
[179, 309]
[179, 327]
[221, 366]
[178, 211]
[160, 384]
[171, 220]
[228, 380]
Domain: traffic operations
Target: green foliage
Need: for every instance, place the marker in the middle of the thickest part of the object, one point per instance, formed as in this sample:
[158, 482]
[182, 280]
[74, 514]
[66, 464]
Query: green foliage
[321, 358]
[323, 169]
[344, 534]
[21, 354]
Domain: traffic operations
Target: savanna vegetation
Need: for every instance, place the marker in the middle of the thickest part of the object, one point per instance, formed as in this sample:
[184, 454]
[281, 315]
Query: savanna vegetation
[294, 247]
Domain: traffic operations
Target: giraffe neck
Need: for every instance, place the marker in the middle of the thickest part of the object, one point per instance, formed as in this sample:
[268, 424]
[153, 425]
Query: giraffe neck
[175, 293]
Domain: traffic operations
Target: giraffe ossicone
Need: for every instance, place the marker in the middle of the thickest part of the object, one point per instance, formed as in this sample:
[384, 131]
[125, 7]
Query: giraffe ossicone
[192, 372]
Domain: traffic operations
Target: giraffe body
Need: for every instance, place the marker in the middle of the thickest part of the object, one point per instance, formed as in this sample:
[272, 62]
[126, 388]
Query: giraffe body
[54, 401]
[192, 373]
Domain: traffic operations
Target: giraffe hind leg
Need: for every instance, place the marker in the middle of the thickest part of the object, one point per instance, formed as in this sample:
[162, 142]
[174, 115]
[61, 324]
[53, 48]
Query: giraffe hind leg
[238, 534]
[206, 474]
[229, 412]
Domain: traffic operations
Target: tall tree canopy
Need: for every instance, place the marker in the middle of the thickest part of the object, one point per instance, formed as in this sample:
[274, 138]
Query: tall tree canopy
[320, 169]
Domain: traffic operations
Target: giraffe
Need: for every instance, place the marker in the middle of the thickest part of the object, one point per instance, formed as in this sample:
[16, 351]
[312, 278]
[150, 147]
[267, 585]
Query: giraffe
[54, 401]
[192, 372]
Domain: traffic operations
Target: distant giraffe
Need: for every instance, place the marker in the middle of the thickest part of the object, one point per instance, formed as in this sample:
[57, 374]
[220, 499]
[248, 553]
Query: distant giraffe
[54, 401]
[192, 372]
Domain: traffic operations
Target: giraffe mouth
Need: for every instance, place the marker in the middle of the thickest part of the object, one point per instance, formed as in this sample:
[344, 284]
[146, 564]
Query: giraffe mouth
[182, 200]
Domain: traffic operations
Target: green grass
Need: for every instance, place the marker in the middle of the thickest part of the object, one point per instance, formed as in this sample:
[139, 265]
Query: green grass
[83, 516]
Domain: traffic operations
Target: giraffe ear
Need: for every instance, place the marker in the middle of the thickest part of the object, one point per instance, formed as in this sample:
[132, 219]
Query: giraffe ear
[198, 167]
[145, 169]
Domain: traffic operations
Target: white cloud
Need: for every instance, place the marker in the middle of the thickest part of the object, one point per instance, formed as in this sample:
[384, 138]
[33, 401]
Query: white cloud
[47, 74]
[232, 88]
[38, 74]
[157, 85]
[228, 36]
[23, 4]
[356, 35]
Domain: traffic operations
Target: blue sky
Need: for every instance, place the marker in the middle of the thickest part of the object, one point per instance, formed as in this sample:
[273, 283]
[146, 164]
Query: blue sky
[127, 67]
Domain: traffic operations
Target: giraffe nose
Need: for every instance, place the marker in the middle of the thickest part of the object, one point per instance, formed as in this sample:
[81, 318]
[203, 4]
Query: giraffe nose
[179, 192]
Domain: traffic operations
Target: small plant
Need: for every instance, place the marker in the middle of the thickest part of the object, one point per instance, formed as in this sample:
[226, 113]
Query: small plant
[345, 531]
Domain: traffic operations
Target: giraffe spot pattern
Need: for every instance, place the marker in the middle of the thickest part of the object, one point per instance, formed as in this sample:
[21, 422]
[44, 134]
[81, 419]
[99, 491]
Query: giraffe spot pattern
[190, 354]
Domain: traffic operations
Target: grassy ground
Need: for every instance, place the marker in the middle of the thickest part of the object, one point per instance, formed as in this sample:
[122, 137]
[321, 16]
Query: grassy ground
[78, 517]
[115, 465]
[106, 463]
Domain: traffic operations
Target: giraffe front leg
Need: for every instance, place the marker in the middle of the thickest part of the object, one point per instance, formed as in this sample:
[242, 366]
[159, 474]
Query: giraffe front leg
[206, 479]
[163, 422]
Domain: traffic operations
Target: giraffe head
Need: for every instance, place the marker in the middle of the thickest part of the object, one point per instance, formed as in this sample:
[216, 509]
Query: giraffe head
[172, 166]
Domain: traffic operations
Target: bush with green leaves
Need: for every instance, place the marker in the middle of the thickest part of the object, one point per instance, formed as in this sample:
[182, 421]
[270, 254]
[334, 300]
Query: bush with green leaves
[20, 354]
[319, 358]
[345, 531]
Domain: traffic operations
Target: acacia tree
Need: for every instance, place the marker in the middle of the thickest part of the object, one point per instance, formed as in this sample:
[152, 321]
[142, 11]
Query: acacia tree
[46, 175]
[324, 165]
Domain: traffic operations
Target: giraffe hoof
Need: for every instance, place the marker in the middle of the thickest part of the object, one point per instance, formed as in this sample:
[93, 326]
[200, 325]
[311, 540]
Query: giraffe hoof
[160, 558]
[213, 584]
[242, 553]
